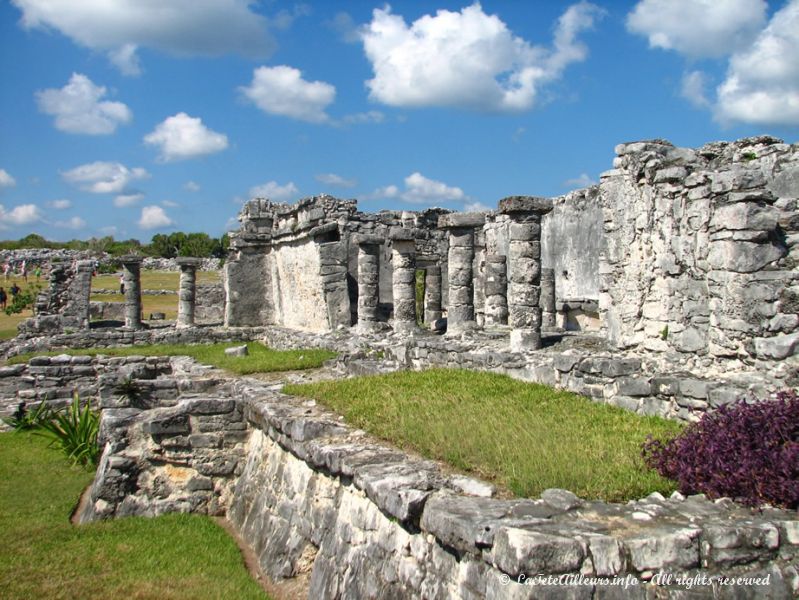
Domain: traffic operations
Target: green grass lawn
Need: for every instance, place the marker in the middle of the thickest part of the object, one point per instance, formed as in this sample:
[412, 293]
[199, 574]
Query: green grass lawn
[43, 556]
[524, 437]
[261, 359]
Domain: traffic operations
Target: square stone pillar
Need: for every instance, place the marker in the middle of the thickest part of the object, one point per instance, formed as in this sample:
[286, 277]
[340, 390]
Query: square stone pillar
[495, 288]
[368, 281]
[131, 275]
[460, 226]
[432, 294]
[403, 279]
[524, 269]
[187, 290]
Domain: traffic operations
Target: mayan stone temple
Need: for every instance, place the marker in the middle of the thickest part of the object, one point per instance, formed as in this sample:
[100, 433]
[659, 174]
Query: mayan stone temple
[670, 288]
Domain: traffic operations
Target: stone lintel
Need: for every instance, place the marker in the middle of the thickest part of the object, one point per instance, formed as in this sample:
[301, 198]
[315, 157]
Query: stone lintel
[323, 229]
[84, 264]
[131, 259]
[365, 239]
[188, 261]
[402, 234]
[496, 258]
[525, 204]
[461, 220]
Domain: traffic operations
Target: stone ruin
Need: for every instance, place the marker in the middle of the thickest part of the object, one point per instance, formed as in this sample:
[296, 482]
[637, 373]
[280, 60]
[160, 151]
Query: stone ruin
[669, 288]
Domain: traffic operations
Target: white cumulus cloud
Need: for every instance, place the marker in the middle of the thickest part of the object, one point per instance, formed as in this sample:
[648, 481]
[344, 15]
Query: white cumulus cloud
[178, 27]
[72, 223]
[126, 60]
[467, 59]
[154, 217]
[6, 180]
[191, 186]
[24, 214]
[420, 190]
[693, 88]
[274, 191]
[128, 199]
[77, 107]
[60, 204]
[181, 137]
[335, 180]
[698, 28]
[282, 91]
[762, 84]
[104, 177]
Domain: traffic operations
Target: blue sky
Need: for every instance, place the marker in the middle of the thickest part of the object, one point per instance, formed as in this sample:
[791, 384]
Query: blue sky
[134, 117]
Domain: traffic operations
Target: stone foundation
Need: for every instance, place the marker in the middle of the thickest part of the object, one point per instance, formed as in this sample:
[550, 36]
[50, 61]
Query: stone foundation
[309, 494]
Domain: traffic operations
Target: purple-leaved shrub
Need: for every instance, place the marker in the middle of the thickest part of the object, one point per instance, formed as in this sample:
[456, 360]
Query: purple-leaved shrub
[748, 452]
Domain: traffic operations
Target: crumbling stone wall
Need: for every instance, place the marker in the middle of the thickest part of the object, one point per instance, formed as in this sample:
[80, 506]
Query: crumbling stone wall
[64, 305]
[311, 495]
[699, 248]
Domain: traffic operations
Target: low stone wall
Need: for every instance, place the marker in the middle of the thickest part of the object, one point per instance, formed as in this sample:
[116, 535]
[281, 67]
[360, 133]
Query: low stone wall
[672, 386]
[108, 338]
[107, 311]
[313, 496]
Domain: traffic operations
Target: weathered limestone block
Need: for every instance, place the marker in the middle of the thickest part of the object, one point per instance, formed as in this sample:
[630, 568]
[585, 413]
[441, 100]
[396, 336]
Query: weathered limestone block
[460, 310]
[524, 258]
[187, 290]
[247, 278]
[131, 273]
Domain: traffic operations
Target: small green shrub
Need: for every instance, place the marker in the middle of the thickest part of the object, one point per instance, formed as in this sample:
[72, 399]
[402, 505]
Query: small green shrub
[25, 420]
[74, 429]
[747, 156]
[749, 452]
[131, 389]
[23, 300]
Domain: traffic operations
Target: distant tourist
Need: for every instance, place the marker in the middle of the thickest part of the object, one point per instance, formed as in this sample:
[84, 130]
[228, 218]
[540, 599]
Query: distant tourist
[122, 284]
[14, 291]
[6, 269]
[24, 270]
[38, 272]
[3, 298]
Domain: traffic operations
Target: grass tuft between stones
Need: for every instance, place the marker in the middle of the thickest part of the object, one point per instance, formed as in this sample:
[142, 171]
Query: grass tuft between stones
[43, 556]
[524, 437]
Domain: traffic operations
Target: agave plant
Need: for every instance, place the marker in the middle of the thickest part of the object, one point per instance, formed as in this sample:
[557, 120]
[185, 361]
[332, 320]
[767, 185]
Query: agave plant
[74, 429]
[24, 419]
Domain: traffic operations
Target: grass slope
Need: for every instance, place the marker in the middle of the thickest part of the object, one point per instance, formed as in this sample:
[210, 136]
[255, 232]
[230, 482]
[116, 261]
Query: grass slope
[261, 359]
[525, 437]
[43, 556]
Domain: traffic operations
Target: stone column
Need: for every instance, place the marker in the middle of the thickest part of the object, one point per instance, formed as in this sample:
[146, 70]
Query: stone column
[368, 281]
[432, 294]
[186, 293]
[403, 262]
[496, 290]
[131, 274]
[524, 262]
[547, 299]
[460, 311]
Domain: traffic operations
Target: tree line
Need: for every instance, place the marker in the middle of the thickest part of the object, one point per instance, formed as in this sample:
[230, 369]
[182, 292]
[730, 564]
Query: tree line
[161, 245]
